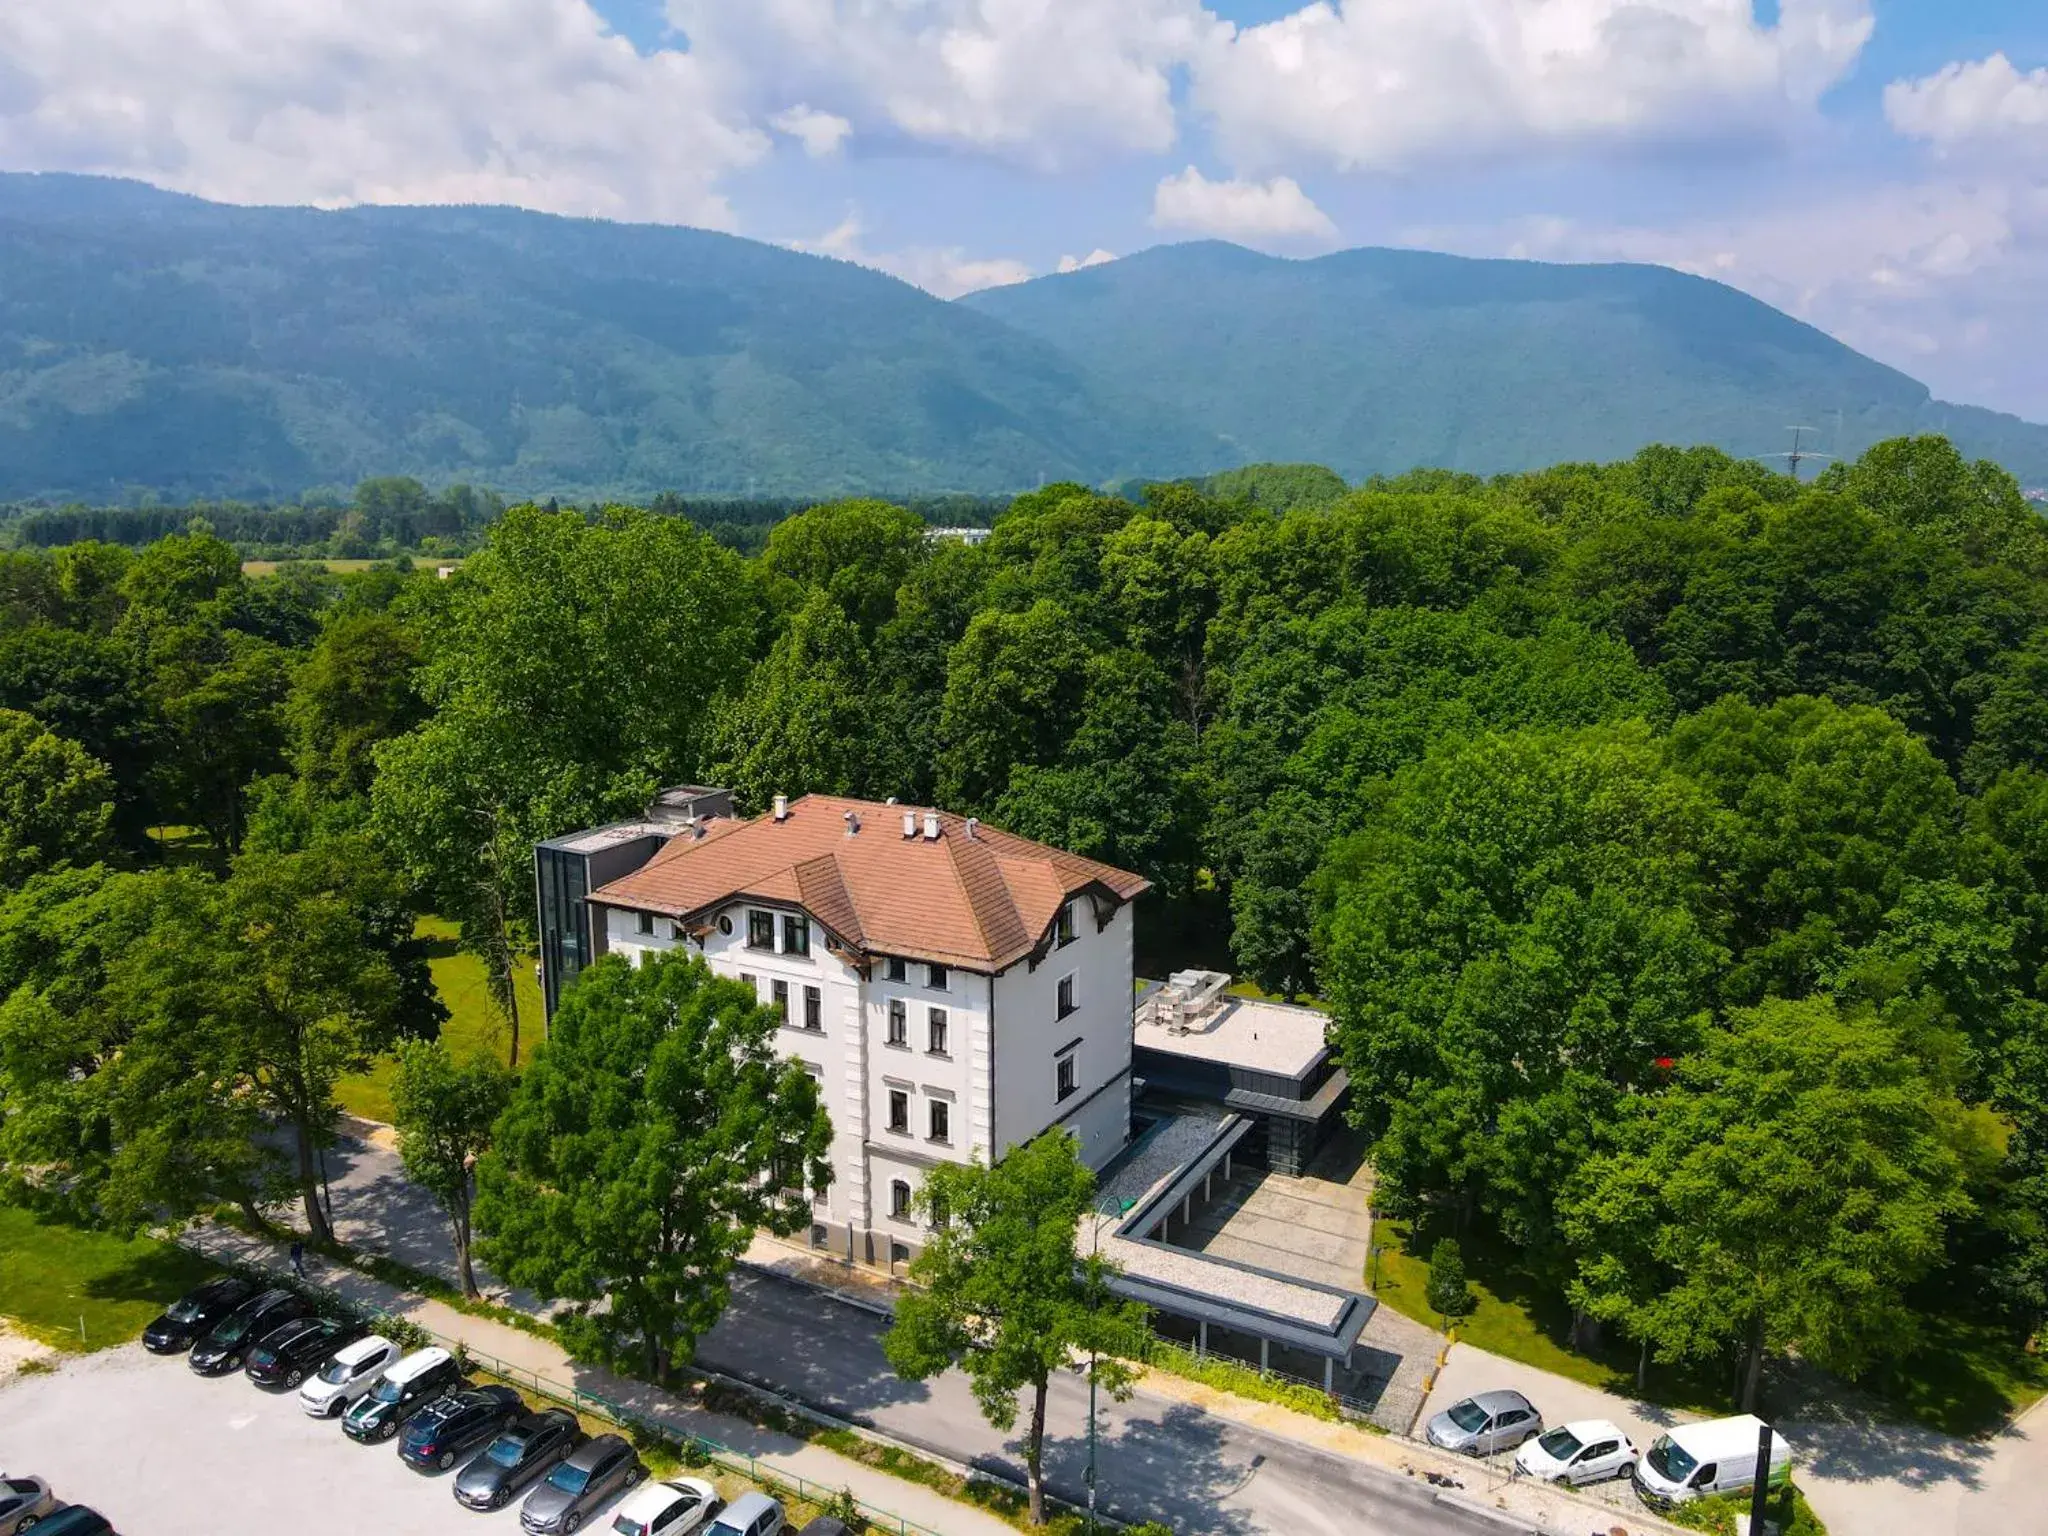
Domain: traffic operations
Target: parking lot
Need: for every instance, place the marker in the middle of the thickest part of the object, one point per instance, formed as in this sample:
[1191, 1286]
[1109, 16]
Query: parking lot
[162, 1452]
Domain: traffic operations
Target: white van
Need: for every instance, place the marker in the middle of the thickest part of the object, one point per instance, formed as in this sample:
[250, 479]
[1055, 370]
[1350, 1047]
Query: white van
[1696, 1461]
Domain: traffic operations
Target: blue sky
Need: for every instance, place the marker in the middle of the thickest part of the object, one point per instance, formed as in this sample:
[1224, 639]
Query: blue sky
[1878, 167]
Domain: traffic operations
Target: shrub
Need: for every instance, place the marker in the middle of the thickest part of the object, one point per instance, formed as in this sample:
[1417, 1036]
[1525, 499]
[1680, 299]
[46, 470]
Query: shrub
[1448, 1291]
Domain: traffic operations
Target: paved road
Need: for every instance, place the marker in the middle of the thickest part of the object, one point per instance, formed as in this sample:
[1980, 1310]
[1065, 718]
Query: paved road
[1158, 1459]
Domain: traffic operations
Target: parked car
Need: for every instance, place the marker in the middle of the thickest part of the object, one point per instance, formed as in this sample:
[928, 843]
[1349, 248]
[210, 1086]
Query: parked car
[564, 1499]
[1584, 1451]
[420, 1378]
[75, 1520]
[226, 1344]
[826, 1525]
[447, 1429]
[23, 1502]
[673, 1508]
[751, 1514]
[1697, 1461]
[523, 1451]
[354, 1369]
[193, 1314]
[1492, 1421]
[286, 1356]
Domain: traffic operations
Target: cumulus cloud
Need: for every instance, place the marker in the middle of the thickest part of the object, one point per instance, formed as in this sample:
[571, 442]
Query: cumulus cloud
[1256, 212]
[1047, 83]
[532, 102]
[946, 271]
[1384, 85]
[820, 133]
[1094, 258]
[1983, 103]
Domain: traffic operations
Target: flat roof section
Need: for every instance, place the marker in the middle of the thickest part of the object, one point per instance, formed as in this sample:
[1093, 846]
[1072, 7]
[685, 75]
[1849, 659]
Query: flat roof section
[1240, 1032]
[600, 838]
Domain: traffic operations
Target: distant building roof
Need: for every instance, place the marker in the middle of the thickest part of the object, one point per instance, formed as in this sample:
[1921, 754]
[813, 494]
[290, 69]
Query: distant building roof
[1253, 1033]
[972, 896]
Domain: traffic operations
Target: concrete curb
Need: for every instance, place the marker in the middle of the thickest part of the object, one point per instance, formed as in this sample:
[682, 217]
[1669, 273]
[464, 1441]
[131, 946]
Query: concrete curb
[817, 1287]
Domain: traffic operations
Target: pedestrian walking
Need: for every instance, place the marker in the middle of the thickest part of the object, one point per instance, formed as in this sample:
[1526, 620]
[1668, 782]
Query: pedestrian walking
[298, 1258]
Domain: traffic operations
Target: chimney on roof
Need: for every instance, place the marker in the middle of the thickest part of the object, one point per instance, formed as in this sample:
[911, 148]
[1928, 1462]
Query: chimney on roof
[890, 801]
[973, 826]
[910, 823]
[782, 807]
[852, 819]
[931, 826]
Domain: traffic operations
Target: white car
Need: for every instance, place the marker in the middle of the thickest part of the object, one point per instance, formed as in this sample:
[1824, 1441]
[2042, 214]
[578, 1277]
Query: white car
[351, 1373]
[673, 1508]
[1587, 1451]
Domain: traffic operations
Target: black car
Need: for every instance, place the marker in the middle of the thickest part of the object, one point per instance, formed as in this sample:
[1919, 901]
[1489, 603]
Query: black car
[194, 1314]
[527, 1448]
[76, 1520]
[227, 1343]
[286, 1356]
[423, 1377]
[440, 1433]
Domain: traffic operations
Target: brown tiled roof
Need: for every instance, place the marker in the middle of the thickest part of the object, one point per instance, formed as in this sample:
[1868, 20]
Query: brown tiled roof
[979, 903]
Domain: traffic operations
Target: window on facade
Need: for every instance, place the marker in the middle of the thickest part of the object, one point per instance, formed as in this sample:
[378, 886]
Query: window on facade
[814, 1009]
[1066, 994]
[898, 1253]
[752, 984]
[899, 1111]
[760, 930]
[899, 1022]
[645, 921]
[899, 1199]
[779, 990]
[935, 977]
[942, 1120]
[1065, 1078]
[898, 969]
[1063, 930]
[675, 931]
[938, 1032]
[796, 934]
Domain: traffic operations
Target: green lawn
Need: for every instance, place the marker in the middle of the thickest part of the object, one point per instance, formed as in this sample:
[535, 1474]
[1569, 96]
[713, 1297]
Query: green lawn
[473, 1024]
[1962, 1377]
[55, 1279]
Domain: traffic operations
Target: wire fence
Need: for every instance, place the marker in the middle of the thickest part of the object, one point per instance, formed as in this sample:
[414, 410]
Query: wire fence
[692, 1448]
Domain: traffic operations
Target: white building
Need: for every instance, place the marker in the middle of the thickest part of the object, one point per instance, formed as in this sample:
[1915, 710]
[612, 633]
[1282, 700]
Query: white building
[955, 990]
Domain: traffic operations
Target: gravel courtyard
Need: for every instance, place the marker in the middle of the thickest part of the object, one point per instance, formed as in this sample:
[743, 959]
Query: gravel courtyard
[162, 1452]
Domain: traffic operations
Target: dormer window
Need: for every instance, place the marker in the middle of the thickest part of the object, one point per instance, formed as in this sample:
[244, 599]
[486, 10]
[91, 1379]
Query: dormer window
[645, 922]
[1063, 927]
[760, 929]
[796, 934]
[935, 977]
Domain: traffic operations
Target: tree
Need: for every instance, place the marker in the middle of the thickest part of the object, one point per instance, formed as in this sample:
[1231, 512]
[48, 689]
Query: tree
[1014, 684]
[1449, 1294]
[443, 1114]
[857, 553]
[1000, 1293]
[85, 687]
[1805, 1167]
[56, 802]
[352, 693]
[654, 1130]
[801, 725]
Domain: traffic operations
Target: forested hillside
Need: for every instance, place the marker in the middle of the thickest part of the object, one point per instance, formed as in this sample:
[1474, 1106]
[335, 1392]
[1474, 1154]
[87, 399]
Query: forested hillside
[1378, 361]
[1669, 838]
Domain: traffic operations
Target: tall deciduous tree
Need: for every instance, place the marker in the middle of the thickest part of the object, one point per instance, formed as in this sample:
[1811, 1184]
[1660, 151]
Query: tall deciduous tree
[443, 1114]
[56, 801]
[352, 693]
[652, 1132]
[1001, 1294]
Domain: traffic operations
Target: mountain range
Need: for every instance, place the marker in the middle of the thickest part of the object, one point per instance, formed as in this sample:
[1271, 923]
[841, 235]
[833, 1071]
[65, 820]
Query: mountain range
[152, 343]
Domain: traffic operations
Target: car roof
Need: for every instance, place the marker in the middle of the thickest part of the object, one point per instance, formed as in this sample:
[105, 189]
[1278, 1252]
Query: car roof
[826, 1525]
[643, 1504]
[591, 1449]
[1714, 1438]
[741, 1512]
[1495, 1401]
[362, 1349]
[418, 1363]
[1590, 1430]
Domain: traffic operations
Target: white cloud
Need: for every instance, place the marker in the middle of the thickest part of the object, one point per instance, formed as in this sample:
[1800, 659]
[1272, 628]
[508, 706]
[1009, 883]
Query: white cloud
[1983, 103]
[1384, 85]
[947, 271]
[820, 133]
[1043, 82]
[1095, 258]
[1268, 212]
[339, 101]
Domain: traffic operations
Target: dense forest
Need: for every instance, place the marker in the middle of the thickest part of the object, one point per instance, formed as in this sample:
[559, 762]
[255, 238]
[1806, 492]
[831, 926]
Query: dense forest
[1669, 838]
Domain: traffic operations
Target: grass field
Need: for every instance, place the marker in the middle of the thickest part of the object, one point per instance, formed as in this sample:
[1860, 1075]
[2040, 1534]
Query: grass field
[80, 1290]
[253, 568]
[473, 1024]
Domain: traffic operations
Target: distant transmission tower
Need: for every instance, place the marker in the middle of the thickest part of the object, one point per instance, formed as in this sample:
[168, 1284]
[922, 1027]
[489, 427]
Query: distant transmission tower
[1797, 455]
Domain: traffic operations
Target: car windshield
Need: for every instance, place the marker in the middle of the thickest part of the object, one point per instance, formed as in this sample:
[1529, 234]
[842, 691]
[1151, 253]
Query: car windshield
[336, 1372]
[386, 1391]
[1561, 1444]
[1671, 1460]
[506, 1450]
[627, 1527]
[183, 1311]
[232, 1329]
[1468, 1416]
[569, 1478]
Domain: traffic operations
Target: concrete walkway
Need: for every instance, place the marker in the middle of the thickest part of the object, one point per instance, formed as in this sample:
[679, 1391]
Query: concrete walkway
[546, 1359]
[1863, 1476]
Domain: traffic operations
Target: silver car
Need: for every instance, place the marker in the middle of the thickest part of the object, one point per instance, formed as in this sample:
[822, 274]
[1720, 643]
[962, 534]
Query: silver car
[1492, 1421]
[23, 1501]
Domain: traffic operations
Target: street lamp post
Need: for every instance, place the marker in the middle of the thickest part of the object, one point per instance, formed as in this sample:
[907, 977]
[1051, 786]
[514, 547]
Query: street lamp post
[1100, 1211]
